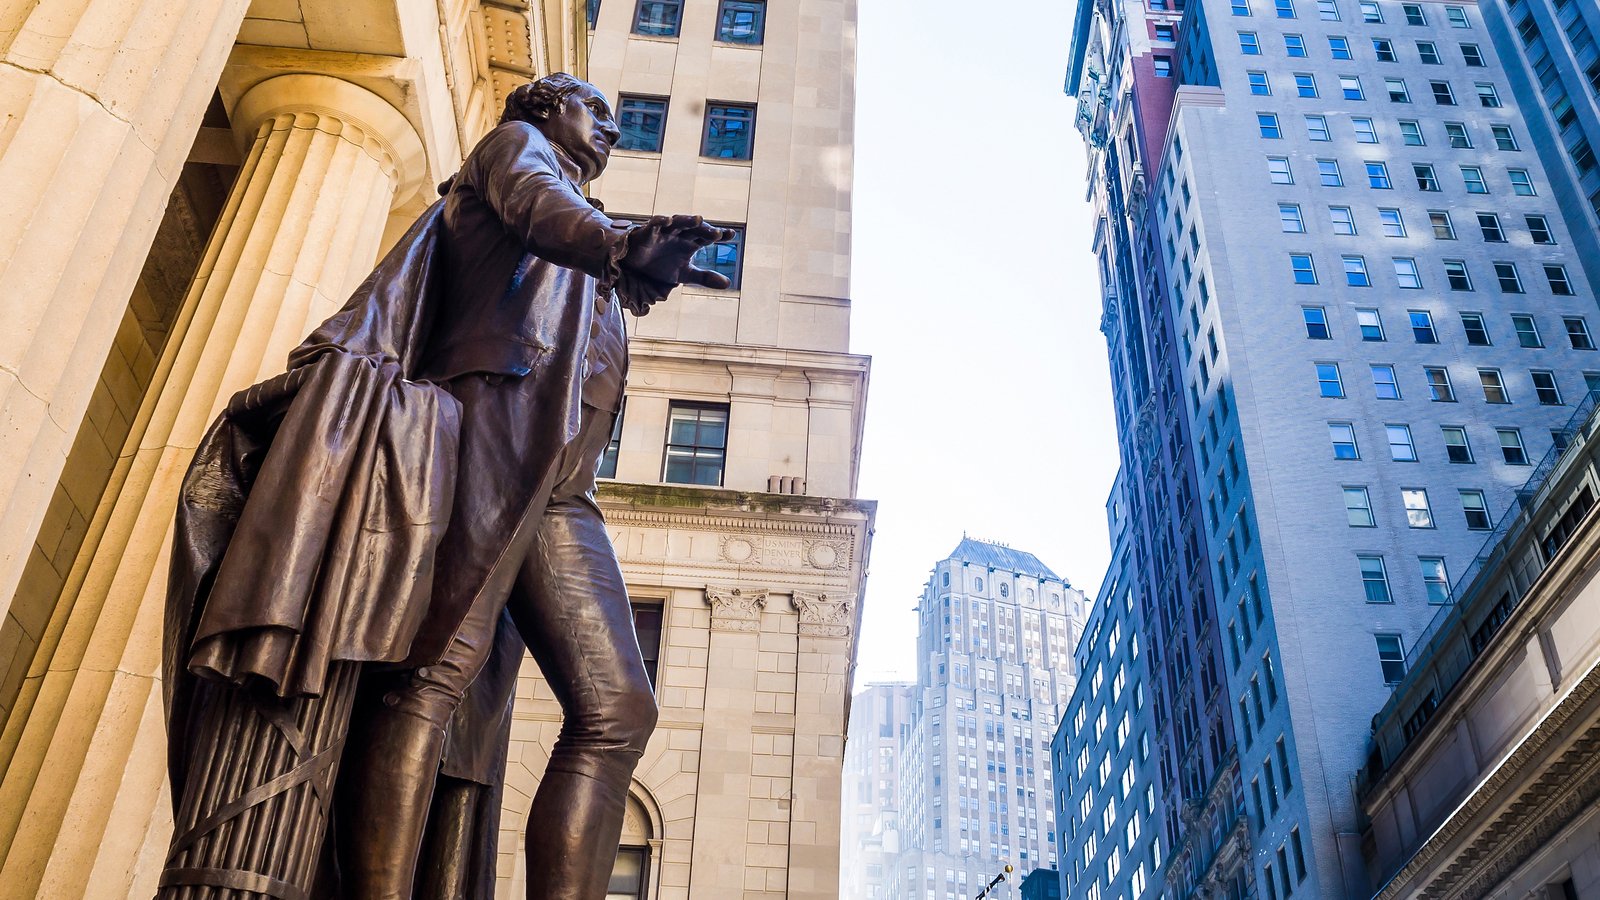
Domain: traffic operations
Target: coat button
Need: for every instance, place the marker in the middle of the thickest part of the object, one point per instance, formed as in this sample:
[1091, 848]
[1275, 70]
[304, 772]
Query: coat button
[422, 672]
[391, 700]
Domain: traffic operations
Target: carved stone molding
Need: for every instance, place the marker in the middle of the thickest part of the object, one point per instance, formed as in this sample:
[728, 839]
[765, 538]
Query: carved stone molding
[824, 615]
[735, 609]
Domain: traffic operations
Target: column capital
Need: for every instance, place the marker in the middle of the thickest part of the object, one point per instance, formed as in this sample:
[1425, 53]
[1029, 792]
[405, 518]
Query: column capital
[824, 615]
[384, 131]
[735, 609]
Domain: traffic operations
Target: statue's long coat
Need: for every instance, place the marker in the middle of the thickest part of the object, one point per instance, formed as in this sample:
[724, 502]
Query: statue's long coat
[309, 520]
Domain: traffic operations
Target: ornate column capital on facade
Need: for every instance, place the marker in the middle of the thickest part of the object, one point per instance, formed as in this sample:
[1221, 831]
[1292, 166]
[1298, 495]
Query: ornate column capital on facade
[736, 609]
[824, 615]
[337, 107]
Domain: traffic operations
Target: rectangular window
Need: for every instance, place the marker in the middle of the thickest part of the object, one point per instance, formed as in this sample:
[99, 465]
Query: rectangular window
[1510, 280]
[1487, 95]
[1545, 387]
[1426, 179]
[1476, 510]
[1511, 449]
[1305, 85]
[1406, 274]
[1527, 331]
[1411, 133]
[1539, 229]
[1393, 223]
[1557, 276]
[1472, 177]
[1241, 7]
[1378, 176]
[1268, 125]
[647, 620]
[1521, 183]
[1365, 132]
[1370, 324]
[1285, 8]
[1384, 385]
[1391, 658]
[1357, 508]
[1343, 437]
[1443, 228]
[697, 443]
[1259, 84]
[730, 131]
[1317, 128]
[1477, 332]
[742, 21]
[1355, 272]
[658, 18]
[1442, 94]
[1494, 387]
[1289, 216]
[1339, 47]
[726, 257]
[1435, 582]
[1383, 49]
[608, 460]
[1294, 46]
[1397, 90]
[1503, 138]
[1350, 87]
[1278, 170]
[1168, 33]
[1343, 220]
[1422, 326]
[1489, 225]
[1304, 271]
[1401, 448]
[1328, 173]
[1163, 66]
[1456, 134]
[1439, 387]
[1371, 14]
[1428, 52]
[1328, 382]
[1316, 319]
[1418, 514]
[1249, 45]
[1578, 332]
[1456, 447]
[641, 120]
[1413, 13]
[629, 874]
[1457, 16]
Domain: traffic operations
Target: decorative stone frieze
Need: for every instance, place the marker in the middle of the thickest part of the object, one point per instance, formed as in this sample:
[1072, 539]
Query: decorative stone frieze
[735, 609]
[824, 615]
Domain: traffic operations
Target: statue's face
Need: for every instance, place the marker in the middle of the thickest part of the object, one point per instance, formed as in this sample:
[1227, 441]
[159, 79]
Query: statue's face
[583, 127]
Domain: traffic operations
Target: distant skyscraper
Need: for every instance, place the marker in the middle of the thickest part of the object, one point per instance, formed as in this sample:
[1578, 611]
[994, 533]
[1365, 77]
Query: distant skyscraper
[994, 666]
[1346, 312]
[880, 723]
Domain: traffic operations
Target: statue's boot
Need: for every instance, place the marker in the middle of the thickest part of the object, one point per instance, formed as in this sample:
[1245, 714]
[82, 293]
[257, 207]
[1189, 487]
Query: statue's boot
[384, 800]
[574, 826]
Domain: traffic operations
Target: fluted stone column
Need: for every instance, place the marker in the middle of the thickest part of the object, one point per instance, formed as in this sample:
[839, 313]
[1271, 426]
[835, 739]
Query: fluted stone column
[99, 104]
[83, 808]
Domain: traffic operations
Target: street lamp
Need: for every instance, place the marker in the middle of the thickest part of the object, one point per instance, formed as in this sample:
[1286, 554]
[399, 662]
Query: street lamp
[991, 885]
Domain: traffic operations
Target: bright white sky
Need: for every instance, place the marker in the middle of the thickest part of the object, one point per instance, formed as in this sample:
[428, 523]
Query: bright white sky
[975, 293]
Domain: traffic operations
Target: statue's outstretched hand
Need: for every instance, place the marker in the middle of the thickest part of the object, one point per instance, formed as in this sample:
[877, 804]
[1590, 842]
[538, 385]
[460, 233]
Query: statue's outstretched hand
[661, 251]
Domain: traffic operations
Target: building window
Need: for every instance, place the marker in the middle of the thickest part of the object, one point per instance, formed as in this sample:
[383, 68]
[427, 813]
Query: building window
[1343, 221]
[1355, 272]
[1289, 216]
[1393, 223]
[742, 21]
[628, 874]
[1259, 84]
[1456, 134]
[1406, 274]
[658, 18]
[1489, 225]
[1539, 229]
[1506, 274]
[1163, 66]
[1456, 448]
[726, 256]
[1411, 133]
[1249, 44]
[1317, 128]
[1304, 271]
[1328, 383]
[1294, 46]
[1316, 319]
[1511, 449]
[1494, 387]
[1477, 331]
[1472, 56]
[1413, 12]
[1476, 510]
[1472, 177]
[1371, 14]
[1426, 179]
[1338, 47]
[1350, 87]
[1378, 176]
[1328, 10]
[647, 619]
[1328, 173]
[1343, 437]
[1241, 7]
[1455, 271]
[1527, 331]
[1487, 95]
[1365, 132]
[641, 120]
[1305, 85]
[1268, 124]
[1439, 388]
[1358, 507]
[1278, 170]
[730, 131]
[1391, 658]
[1418, 513]
[1428, 52]
[1383, 49]
[1383, 382]
[1557, 276]
[1285, 8]
[1521, 183]
[608, 460]
[1578, 332]
[1544, 386]
[593, 12]
[1422, 326]
[1370, 324]
[1457, 16]
[1401, 448]
[1503, 138]
[697, 443]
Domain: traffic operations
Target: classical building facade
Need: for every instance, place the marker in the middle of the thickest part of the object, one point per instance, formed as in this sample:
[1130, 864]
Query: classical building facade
[1347, 311]
[994, 670]
[1483, 774]
[193, 188]
[880, 725]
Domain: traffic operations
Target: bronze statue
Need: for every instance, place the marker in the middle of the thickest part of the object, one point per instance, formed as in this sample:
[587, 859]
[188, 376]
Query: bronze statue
[366, 543]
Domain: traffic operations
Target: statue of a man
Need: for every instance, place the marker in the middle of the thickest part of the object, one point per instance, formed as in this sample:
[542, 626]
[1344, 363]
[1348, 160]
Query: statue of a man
[362, 540]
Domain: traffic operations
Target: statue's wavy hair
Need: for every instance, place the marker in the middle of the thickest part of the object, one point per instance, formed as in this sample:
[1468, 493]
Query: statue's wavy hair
[536, 100]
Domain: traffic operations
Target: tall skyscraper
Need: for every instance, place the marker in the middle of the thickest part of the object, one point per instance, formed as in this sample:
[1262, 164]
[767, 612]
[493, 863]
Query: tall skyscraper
[1345, 315]
[996, 629]
[880, 724]
[731, 480]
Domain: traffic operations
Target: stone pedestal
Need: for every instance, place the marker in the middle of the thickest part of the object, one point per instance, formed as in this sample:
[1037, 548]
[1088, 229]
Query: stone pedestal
[83, 800]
